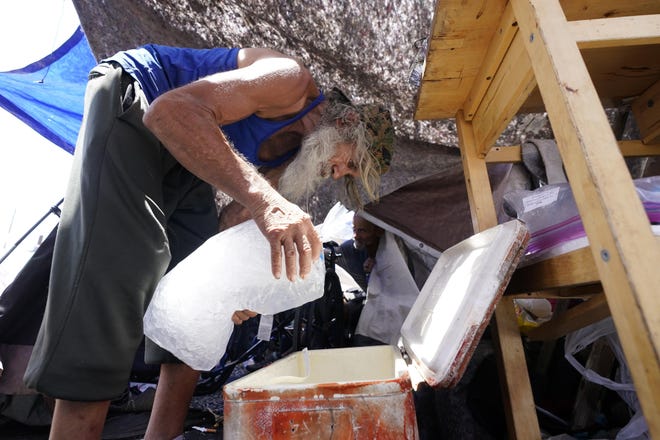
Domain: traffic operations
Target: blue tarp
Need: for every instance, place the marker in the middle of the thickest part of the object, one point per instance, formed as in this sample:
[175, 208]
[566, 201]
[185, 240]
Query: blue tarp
[48, 94]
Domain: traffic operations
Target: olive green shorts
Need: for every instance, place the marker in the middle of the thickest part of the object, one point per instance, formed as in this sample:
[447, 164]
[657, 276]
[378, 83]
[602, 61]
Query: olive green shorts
[130, 213]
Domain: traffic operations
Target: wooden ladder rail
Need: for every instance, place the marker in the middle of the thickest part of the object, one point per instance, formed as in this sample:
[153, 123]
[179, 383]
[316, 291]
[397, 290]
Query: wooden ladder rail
[621, 241]
[622, 245]
[484, 62]
[514, 378]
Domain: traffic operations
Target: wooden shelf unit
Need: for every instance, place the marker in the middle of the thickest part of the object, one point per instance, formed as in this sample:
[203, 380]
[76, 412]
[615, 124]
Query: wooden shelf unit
[488, 61]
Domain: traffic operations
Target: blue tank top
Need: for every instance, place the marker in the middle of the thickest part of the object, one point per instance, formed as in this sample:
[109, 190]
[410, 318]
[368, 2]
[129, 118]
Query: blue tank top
[159, 69]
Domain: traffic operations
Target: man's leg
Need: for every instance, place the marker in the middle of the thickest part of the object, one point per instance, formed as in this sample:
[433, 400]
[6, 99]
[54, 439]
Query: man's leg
[78, 420]
[194, 221]
[92, 325]
[174, 392]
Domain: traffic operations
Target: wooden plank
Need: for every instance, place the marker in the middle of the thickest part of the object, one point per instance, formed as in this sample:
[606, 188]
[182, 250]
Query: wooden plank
[646, 109]
[616, 32]
[590, 9]
[613, 70]
[638, 149]
[517, 389]
[575, 318]
[461, 33]
[509, 89]
[477, 183]
[630, 148]
[506, 154]
[438, 98]
[576, 268]
[571, 269]
[622, 243]
[621, 73]
[569, 292]
[519, 404]
[491, 63]
[618, 67]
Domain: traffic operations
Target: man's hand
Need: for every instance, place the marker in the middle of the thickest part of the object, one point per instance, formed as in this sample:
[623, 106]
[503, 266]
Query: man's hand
[240, 316]
[287, 227]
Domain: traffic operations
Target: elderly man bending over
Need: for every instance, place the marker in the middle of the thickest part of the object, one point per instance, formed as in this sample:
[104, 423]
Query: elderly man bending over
[162, 128]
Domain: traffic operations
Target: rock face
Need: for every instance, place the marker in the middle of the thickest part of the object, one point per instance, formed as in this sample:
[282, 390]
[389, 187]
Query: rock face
[366, 48]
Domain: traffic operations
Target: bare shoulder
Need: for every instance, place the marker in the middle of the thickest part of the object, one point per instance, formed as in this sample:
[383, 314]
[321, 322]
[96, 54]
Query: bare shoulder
[249, 55]
[264, 65]
[282, 82]
[267, 83]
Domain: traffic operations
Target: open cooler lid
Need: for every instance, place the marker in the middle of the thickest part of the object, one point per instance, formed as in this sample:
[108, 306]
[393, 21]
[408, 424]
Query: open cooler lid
[458, 299]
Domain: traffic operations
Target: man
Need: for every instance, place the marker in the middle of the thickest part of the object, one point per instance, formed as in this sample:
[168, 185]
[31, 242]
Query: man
[162, 127]
[357, 257]
[378, 263]
[358, 254]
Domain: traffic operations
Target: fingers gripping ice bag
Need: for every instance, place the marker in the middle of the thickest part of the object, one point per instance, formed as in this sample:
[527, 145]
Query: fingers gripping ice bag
[190, 312]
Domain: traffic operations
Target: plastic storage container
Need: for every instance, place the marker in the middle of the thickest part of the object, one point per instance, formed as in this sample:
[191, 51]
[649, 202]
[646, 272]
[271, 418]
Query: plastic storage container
[366, 392]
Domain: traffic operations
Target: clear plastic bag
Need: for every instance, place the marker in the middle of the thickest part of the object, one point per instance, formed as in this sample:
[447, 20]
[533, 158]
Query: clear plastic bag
[552, 217]
[190, 312]
[636, 429]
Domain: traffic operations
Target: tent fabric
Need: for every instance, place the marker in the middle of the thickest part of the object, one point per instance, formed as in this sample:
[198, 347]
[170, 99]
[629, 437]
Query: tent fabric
[433, 210]
[48, 94]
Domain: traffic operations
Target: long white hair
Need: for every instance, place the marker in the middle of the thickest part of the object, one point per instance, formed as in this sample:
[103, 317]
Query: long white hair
[340, 123]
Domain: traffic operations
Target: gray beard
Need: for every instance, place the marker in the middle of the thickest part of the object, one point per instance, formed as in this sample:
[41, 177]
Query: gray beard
[310, 166]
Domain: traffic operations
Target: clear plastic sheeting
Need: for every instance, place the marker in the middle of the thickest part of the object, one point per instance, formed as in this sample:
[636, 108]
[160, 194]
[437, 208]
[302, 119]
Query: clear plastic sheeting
[553, 220]
[190, 313]
[575, 342]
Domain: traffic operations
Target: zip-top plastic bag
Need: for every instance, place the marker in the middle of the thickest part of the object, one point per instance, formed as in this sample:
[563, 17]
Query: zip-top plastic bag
[552, 217]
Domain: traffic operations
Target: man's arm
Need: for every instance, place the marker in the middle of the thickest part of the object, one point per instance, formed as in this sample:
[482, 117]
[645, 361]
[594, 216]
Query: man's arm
[186, 121]
[234, 213]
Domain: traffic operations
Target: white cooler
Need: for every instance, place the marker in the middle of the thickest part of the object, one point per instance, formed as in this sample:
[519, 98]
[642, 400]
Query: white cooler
[366, 392]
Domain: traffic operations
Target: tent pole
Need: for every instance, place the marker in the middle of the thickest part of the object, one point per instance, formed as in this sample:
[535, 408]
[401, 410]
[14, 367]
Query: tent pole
[54, 210]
